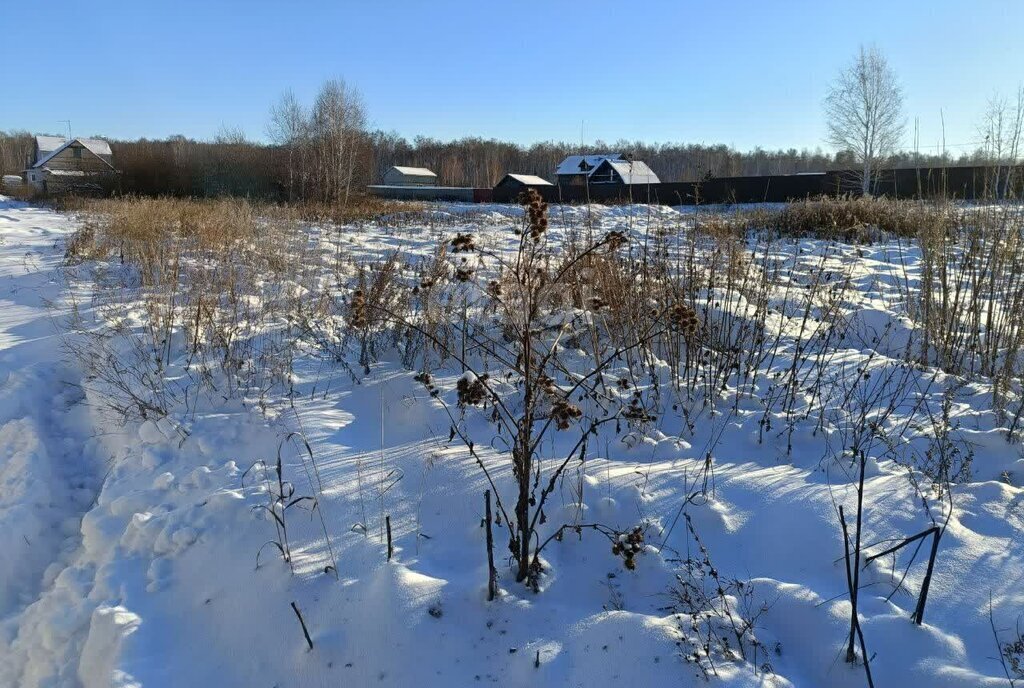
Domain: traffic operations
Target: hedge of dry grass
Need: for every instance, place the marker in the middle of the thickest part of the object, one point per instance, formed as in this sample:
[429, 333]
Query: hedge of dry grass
[858, 219]
[361, 208]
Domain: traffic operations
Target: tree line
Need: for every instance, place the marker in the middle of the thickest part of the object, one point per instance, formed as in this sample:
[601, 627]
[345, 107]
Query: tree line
[325, 152]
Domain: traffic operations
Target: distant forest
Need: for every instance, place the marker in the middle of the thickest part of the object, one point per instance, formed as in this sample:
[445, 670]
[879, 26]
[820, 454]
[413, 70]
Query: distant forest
[312, 168]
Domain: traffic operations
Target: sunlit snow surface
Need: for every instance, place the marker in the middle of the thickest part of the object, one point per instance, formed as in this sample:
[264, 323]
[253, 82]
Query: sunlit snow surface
[127, 554]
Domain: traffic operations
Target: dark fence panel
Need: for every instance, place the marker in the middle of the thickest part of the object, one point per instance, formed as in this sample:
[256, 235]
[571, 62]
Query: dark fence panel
[768, 189]
[964, 183]
[466, 194]
[509, 193]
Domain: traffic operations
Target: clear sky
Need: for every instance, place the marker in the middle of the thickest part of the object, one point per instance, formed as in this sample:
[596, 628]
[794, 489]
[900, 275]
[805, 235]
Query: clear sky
[739, 72]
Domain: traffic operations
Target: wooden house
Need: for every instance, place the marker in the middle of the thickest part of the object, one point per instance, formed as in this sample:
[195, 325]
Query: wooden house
[59, 165]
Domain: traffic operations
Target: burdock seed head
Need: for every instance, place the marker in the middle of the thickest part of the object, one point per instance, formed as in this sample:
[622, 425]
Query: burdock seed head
[564, 412]
[357, 307]
[471, 389]
[463, 243]
[537, 213]
[616, 240]
[683, 318]
[627, 545]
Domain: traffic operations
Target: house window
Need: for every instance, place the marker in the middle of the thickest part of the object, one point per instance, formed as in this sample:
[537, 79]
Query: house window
[77, 152]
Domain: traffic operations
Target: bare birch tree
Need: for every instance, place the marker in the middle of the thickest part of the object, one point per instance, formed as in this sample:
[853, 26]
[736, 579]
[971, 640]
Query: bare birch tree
[864, 112]
[339, 123]
[230, 135]
[289, 128]
[1002, 128]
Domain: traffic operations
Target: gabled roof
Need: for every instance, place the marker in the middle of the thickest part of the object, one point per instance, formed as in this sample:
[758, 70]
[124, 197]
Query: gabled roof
[414, 171]
[573, 163]
[529, 179]
[97, 147]
[635, 172]
[45, 145]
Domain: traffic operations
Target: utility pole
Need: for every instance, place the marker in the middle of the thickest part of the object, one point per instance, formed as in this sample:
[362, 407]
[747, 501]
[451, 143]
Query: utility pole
[67, 122]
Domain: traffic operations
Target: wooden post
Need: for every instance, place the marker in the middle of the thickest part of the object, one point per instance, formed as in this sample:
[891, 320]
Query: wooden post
[391, 549]
[492, 574]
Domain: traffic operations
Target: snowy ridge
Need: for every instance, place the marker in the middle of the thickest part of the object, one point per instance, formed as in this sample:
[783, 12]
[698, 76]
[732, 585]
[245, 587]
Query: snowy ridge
[49, 475]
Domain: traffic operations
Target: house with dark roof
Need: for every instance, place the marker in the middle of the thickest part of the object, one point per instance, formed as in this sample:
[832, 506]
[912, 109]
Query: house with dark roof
[608, 168]
[59, 164]
[521, 182]
[511, 185]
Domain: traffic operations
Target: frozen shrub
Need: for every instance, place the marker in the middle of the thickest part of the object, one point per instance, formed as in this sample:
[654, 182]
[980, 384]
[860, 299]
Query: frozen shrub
[716, 615]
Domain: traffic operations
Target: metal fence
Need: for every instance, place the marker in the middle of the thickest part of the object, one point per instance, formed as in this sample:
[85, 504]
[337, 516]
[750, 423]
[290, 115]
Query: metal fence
[963, 183]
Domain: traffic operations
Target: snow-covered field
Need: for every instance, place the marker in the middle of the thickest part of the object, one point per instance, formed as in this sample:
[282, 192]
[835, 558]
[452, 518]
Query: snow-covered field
[128, 545]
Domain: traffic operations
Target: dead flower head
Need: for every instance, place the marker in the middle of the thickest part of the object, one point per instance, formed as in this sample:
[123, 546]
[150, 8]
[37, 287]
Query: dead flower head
[471, 389]
[537, 212]
[627, 545]
[463, 243]
[683, 318]
[615, 240]
[564, 412]
[357, 308]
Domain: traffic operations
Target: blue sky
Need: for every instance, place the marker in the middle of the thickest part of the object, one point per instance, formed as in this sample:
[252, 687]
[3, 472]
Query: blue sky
[743, 73]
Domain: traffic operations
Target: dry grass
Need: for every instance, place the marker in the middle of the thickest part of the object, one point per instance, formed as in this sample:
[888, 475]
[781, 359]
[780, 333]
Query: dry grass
[214, 270]
[692, 329]
[216, 279]
[859, 219]
[970, 300]
[361, 208]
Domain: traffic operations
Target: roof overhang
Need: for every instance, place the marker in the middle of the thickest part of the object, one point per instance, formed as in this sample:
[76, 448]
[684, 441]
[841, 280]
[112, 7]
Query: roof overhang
[57, 151]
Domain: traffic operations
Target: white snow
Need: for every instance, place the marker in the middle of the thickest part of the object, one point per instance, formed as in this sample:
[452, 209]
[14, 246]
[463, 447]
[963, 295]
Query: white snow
[529, 179]
[128, 553]
[48, 146]
[571, 164]
[414, 171]
[634, 172]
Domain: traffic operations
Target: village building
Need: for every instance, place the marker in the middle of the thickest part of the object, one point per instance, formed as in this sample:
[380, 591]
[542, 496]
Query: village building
[520, 182]
[409, 176]
[79, 165]
[609, 168]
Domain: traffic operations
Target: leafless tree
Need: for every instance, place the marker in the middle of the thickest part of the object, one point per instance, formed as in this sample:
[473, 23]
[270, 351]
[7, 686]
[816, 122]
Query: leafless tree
[864, 112]
[339, 122]
[230, 135]
[1002, 126]
[289, 128]
[15, 150]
